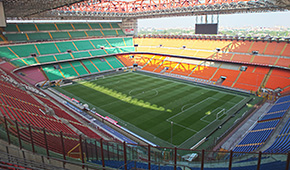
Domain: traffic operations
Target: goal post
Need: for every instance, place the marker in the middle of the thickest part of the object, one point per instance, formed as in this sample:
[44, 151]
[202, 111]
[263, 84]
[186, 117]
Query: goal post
[220, 113]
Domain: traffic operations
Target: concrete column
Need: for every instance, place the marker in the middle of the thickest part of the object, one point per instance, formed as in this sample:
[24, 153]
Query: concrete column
[130, 26]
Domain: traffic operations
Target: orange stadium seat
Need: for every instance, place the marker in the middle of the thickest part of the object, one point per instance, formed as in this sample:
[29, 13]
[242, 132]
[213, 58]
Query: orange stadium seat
[222, 44]
[202, 44]
[204, 72]
[279, 47]
[246, 87]
[184, 69]
[277, 82]
[227, 83]
[154, 63]
[286, 51]
[170, 64]
[284, 62]
[254, 79]
[225, 56]
[142, 59]
[240, 46]
[264, 60]
[270, 48]
[258, 46]
[126, 59]
[250, 68]
[274, 48]
[204, 54]
[281, 73]
[230, 74]
[262, 70]
[242, 58]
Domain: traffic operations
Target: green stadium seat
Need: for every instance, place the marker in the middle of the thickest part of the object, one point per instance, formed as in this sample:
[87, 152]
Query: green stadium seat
[24, 50]
[16, 37]
[64, 27]
[60, 35]
[90, 66]
[128, 41]
[65, 65]
[79, 67]
[47, 48]
[81, 54]
[102, 65]
[127, 49]
[106, 25]
[11, 28]
[115, 63]
[61, 57]
[30, 61]
[27, 27]
[113, 50]
[38, 36]
[94, 33]
[109, 32]
[116, 42]
[81, 26]
[24, 62]
[46, 27]
[100, 42]
[6, 53]
[77, 34]
[68, 72]
[18, 63]
[98, 52]
[121, 33]
[95, 25]
[115, 25]
[46, 59]
[64, 46]
[51, 72]
[84, 45]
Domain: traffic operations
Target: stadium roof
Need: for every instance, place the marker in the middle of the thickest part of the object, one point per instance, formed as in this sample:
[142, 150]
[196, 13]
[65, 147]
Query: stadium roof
[28, 8]
[112, 9]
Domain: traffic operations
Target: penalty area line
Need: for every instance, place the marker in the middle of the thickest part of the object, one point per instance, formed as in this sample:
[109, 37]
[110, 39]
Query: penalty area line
[182, 126]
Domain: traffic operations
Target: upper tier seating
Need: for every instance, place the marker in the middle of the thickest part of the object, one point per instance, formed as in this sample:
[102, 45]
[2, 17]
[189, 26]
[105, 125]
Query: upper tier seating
[57, 51]
[230, 50]
[55, 31]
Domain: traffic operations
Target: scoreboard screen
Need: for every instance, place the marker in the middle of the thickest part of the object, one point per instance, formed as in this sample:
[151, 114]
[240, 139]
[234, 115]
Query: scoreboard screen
[206, 28]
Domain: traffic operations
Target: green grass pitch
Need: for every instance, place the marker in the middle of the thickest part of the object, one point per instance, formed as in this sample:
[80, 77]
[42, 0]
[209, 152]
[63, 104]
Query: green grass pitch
[147, 104]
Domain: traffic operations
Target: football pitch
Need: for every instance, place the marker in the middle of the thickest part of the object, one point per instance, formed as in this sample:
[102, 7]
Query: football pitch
[159, 109]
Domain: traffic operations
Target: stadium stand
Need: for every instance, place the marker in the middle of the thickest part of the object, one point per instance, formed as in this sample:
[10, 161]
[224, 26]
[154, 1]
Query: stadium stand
[229, 75]
[56, 31]
[74, 58]
[258, 135]
[230, 50]
[32, 75]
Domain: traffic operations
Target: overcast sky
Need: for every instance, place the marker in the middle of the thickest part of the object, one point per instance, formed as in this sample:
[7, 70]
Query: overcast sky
[234, 20]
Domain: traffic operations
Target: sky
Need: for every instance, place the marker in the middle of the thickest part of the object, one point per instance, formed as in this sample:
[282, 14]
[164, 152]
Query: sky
[234, 20]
